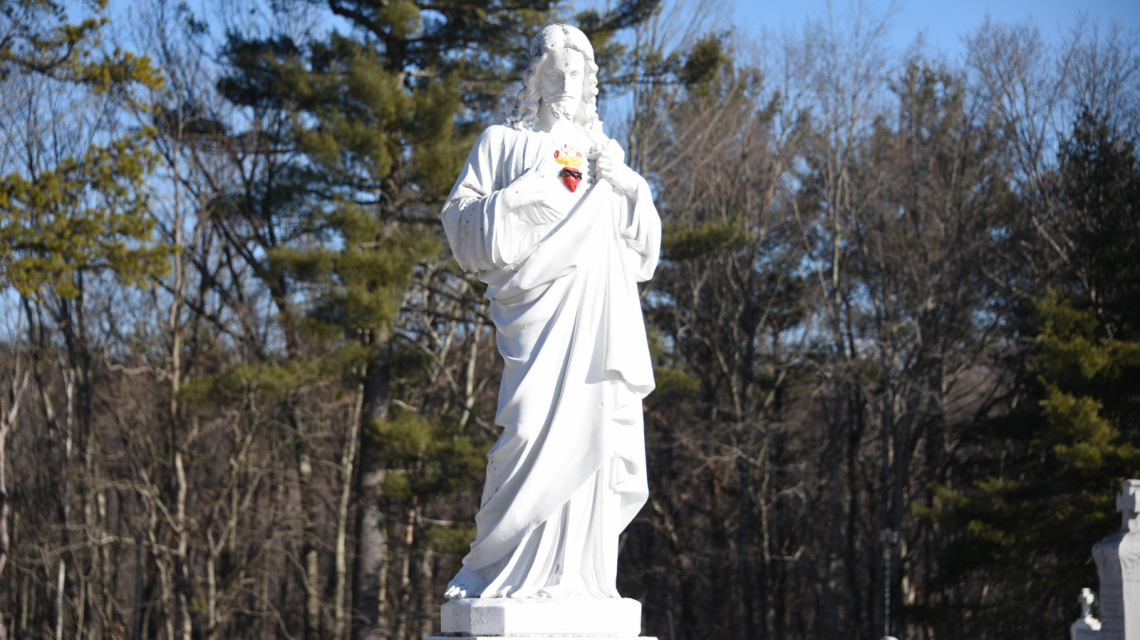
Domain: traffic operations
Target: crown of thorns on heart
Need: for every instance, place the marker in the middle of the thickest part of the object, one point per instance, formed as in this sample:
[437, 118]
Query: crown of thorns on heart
[569, 158]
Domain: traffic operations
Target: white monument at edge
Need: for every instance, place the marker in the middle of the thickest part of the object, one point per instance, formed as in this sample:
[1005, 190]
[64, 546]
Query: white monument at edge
[561, 231]
[1118, 563]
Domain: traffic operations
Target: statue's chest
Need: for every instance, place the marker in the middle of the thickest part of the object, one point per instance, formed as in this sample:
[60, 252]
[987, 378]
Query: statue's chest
[566, 155]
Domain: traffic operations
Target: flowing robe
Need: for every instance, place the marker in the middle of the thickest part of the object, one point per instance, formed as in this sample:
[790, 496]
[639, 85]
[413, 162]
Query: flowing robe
[568, 472]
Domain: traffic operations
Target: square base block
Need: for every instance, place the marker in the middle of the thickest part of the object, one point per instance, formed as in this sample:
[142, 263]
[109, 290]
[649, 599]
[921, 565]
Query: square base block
[546, 618]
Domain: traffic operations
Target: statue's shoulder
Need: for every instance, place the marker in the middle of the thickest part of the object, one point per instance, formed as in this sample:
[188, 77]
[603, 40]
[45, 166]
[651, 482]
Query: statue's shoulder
[498, 135]
[501, 130]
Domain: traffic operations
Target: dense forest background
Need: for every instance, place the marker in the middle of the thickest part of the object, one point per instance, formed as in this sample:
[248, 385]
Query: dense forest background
[247, 393]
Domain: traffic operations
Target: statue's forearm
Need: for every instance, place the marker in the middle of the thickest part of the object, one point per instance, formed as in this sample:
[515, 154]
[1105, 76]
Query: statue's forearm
[479, 231]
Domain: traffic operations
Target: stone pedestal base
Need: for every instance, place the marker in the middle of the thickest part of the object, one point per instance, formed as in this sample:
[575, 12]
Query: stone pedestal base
[539, 638]
[540, 619]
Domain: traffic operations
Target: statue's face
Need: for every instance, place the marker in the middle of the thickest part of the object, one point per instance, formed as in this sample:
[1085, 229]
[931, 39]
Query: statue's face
[561, 82]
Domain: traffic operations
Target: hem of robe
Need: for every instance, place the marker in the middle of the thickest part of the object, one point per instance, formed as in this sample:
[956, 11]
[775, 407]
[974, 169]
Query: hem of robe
[545, 564]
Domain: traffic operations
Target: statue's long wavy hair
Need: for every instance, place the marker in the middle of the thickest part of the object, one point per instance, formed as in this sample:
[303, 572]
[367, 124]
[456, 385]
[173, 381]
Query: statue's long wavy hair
[523, 114]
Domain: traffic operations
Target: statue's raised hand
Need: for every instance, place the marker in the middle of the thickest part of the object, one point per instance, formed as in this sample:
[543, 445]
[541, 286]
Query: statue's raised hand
[611, 167]
[535, 186]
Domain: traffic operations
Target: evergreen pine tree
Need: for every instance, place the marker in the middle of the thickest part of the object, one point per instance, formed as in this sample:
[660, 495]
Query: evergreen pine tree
[1047, 473]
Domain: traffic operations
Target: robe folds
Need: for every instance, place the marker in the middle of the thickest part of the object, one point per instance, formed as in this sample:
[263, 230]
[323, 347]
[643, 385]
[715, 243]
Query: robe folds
[568, 472]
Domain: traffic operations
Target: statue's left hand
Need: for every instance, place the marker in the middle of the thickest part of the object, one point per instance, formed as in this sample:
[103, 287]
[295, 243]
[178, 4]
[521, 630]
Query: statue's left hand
[610, 167]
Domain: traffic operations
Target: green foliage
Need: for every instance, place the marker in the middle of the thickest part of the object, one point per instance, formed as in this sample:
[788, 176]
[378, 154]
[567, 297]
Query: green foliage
[674, 380]
[437, 144]
[426, 457]
[88, 214]
[42, 42]
[84, 214]
[1069, 347]
[407, 436]
[1084, 436]
[694, 242]
[247, 383]
[356, 121]
[703, 63]
[357, 104]
[1080, 370]
[360, 285]
[455, 540]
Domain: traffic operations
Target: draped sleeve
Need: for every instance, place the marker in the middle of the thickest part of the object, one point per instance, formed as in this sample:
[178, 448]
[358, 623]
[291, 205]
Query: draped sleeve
[640, 226]
[477, 223]
[637, 221]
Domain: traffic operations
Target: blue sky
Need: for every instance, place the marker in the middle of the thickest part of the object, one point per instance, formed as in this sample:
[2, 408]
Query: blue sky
[943, 22]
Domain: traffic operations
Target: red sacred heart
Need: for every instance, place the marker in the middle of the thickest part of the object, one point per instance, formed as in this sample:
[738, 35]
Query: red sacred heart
[570, 178]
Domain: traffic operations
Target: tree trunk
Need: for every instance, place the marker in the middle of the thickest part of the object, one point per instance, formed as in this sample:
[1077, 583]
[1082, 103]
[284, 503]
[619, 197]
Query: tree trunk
[211, 589]
[426, 597]
[835, 534]
[340, 562]
[407, 602]
[59, 584]
[748, 589]
[139, 559]
[183, 558]
[7, 422]
[371, 549]
[311, 567]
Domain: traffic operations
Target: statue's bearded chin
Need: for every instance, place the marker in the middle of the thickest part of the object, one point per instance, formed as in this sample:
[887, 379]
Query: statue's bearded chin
[563, 110]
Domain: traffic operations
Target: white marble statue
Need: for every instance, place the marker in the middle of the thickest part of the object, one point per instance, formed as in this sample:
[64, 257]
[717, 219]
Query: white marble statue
[561, 231]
